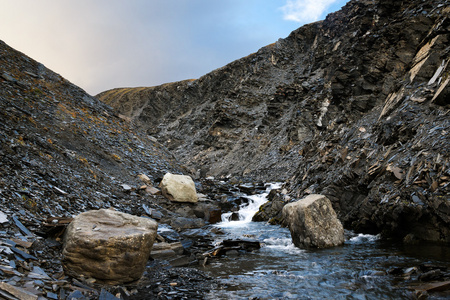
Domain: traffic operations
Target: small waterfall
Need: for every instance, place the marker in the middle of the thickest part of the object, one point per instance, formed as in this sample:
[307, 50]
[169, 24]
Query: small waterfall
[248, 210]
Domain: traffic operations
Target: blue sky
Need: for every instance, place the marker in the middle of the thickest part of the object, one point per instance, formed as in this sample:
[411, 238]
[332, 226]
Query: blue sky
[103, 44]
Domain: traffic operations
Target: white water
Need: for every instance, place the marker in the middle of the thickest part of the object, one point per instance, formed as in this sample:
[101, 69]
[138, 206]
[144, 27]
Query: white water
[279, 270]
[273, 238]
[248, 210]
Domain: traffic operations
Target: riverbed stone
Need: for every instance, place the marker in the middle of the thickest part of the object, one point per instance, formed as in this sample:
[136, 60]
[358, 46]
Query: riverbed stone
[181, 223]
[313, 223]
[178, 188]
[110, 246]
[271, 210]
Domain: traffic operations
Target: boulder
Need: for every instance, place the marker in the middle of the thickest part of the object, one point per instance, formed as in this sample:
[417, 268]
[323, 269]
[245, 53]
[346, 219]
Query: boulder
[313, 223]
[178, 188]
[108, 245]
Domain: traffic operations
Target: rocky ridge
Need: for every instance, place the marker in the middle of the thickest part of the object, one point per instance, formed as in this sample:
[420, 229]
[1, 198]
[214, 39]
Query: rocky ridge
[354, 107]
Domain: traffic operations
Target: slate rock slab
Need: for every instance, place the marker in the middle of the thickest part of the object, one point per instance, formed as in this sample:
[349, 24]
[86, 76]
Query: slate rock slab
[108, 245]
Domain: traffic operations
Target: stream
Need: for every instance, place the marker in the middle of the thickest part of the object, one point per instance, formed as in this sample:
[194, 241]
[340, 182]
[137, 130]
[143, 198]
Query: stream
[357, 270]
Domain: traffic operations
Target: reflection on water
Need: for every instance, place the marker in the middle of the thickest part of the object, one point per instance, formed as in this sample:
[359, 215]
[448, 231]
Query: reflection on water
[279, 270]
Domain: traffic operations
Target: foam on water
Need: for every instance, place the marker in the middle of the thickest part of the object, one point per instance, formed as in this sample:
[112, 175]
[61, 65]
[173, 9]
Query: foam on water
[364, 238]
[283, 244]
[248, 210]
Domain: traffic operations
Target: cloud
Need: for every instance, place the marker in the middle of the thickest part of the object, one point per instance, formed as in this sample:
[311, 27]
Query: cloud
[305, 11]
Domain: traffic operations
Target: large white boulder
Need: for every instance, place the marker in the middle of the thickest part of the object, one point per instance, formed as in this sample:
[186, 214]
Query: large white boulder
[313, 223]
[108, 245]
[178, 188]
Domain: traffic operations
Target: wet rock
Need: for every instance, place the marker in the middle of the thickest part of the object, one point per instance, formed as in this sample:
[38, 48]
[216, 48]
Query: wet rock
[431, 275]
[209, 212]
[186, 223]
[235, 216]
[233, 247]
[178, 188]
[313, 223]
[271, 211]
[108, 245]
[215, 216]
[168, 233]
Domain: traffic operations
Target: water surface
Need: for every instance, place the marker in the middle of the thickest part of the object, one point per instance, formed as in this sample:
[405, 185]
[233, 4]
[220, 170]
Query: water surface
[279, 270]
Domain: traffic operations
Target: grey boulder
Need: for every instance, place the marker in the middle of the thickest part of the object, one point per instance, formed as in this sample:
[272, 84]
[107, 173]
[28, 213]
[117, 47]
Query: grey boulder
[313, 223]
[108, 245]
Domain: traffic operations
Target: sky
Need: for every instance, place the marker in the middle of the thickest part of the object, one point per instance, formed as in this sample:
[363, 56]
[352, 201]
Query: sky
[104, 44]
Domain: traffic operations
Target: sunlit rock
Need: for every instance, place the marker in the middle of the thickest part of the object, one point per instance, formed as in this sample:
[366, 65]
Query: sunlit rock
[108, 245]
[313, 223]
[178, 188]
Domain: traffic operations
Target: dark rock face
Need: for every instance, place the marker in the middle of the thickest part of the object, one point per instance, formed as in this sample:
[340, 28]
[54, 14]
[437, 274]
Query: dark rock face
[354, 107]
[271, 211]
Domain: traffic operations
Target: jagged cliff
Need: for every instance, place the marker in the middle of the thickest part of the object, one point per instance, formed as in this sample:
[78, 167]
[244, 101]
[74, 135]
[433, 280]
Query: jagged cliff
[354, 107]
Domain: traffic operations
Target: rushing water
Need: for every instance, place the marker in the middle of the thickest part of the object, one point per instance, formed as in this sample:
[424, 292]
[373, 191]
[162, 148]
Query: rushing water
[279, 270]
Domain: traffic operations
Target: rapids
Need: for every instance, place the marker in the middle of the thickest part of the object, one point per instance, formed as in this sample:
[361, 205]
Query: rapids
[357, 270]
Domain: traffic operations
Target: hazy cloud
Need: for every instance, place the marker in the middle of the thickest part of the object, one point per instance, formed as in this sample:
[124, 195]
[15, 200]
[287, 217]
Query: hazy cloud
[305, 11]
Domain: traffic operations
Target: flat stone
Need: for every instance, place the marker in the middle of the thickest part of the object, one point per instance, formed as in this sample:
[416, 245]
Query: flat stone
[164, 250]
[152, 190]
[17, 292]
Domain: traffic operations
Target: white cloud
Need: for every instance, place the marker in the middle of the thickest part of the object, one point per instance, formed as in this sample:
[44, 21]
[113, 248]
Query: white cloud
[305, 11]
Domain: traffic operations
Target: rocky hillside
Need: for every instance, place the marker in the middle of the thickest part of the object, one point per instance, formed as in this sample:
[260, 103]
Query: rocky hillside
[354, 107]
[62, 151]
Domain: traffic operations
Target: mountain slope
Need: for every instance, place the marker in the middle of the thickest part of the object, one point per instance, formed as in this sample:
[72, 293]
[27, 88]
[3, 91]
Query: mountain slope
[62, 151]
[354, 107]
